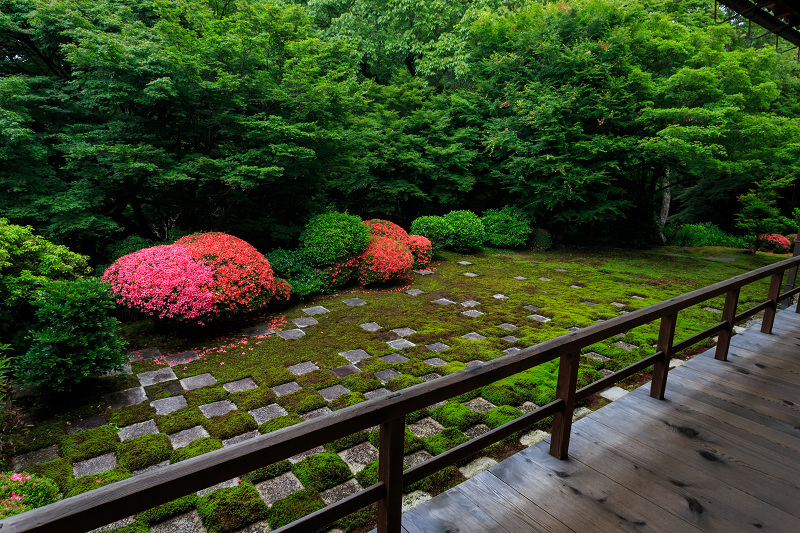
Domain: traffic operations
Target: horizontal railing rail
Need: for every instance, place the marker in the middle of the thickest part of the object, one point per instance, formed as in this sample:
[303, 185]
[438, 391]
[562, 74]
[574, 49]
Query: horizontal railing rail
[125, 498]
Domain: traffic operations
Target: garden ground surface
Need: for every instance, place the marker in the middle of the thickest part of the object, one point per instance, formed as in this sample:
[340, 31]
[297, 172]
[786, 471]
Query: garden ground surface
[179, 397]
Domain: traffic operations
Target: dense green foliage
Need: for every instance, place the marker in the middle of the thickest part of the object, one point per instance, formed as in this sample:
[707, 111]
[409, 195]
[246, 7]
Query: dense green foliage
[333, 237]
[467, 232]
[506, 228]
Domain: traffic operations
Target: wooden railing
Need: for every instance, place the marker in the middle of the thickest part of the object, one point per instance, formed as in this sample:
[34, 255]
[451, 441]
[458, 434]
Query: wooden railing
[125, 498]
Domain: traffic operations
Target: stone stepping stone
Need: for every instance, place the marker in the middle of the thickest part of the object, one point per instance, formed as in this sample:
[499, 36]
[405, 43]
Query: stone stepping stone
[305, 321]
[126, 397]
[151, 468]
[425, 272]
[712, 310]
[331, 393]
[240, 438]
[404, 332]
[198, 382]
[674, 363]
[499, 296]
[427, 427]
[359, 456]
[316, 310]
[401, 344]
[387, 375]
[532, 308]
[141, 429]
[181, 358]
[476, 466]
[370, 326]
[470, 303]
[596, 356]
[291, 334]
[617, 304]
[166, 406]
[316, 413]
[431, 377]
[146, 353]
[262, 414]
[573, 329]
[544, 279]
[187, 436]
[437, 347]
[580, 412]
[219, 408]
[306, 454]
[286, 388]
[302, 368]
[605, 372]
[345, 370]
[278, 488]
[520, 278]
[476, 431]
[340, 492]
[184, 523]
[472, 313]
[479, 405]
[394, 358]
[533, 437]
[36, 457]
[614, 393]
[354, 356]
[474, 336]
[240, 385]
[587, 302]
[223, 485]
[377, 393]
[413, 499]
[509, 338]
[508, 327]
[95, 465]
[435, 361]
[539, 318]
[637, 297]
[415, 292]
[512, 350]
[576, 286]
[528, 407]
[464, 263]
[471, 274]
[113, 526]
[354, 302]
[259, 331]
[417, 458]
[625, 346]
[622, 283]
[474, 362]
[85, 424]
[156, 376]
[443, 301]
[560, 269]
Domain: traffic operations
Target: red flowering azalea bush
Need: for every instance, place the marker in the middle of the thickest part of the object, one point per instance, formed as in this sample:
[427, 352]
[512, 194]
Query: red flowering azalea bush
[164, 281]
[384, 228]
[23, 492]
[774, 243]
[384, 260]
[541, 240]
[422, 250]
[341, 273]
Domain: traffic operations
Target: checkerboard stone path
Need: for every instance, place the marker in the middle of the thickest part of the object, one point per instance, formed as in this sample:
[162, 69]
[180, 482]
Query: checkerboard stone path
[169, 405]
[404, 332]
[331, 393]
[286, 388]
[305, 322]
[354, 302]
[302, 368]
[401, 344]
[316, 310]
[219, 408]
[387, 375]
[240, 385]
[181, 358]
[443, 301]
[263, 414]
[291, 334]
[435, 361]
[394, 358]
[354, 356]
[437, 347]
[474, 336]
[259, 331]
[137, 430]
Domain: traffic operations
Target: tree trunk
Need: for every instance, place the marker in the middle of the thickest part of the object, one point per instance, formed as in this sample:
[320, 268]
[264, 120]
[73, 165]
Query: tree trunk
[665, 201]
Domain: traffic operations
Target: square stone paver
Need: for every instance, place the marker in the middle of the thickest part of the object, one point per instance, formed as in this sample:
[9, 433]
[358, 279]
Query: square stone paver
[606, 372]
[386, 375]
[85, 424]
[479, 405]
[539, 318]
[286, 388]
[331, 393]
[146, 353]
[394, 358]
[166, 406]
[240, 385]
[613, 394]
[302, 368]
[370, 326]
[151, 468]
[532, 437]
[291, 334]
[625, 346]
[340, 492]
[187, 436]
[113, 526]
[401, 344]
[528, 407]
[259, 331]
[156, 376]
[443, 301]
[473, 313]
[278, 488]
[430, 377]
[377, 393]
[590, 304]
[637, 297]
[181, 358]
[617, 304]
[435, 361]
[198, 382]
[316, 310]
[415, 292]
[240, 438]
[476, 431]
[354, 302]
[43, 455]
[427, 427]
[95, 465]
[464, 263]
[262, 414]
[596, 356]
[306, 454]
[219, 408]
[305, 321]
[476, 466]
[507, 327]
[474, 362]
[417, 458]
[499, 296]
[137, 430]
[184, 523]
[512, 350]
[345, 370]
[560, 269]
[316, 413]
[126, 397]
[425, 272]
[576, 286]
[471, 274]
[573, 329]
[354, 356]
[470, 303]
[544, 279]
[521, 278]
[474, 336]
[223, 485]
[437, 347]
[359, 456]
[532, 308]
[404, 332]
[712, 310]
[510, 338]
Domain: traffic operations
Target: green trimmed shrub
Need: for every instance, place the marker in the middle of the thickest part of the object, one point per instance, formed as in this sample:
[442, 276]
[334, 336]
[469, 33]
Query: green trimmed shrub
[506, 228]
[702, 234]
[502, 415]
[95, 481]
[301, 401]
[279, 422]
[78, 339]
[453, 414]
[322, 471]
[185, 418]
[59, 470]
[89, 444]
[144, 451]
[444, 440]
[36, 492]
[230, 424]
[229, 509]
[295, 268]
[333, 237]
[268, 472]
[252, 399]
[168, 510]
[195, 448]
[467, 233]
[294, 507]
[435, 229]
[403, 382]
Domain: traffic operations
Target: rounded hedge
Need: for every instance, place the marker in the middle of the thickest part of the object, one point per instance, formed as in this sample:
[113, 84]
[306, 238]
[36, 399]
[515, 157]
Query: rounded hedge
[385, 228]
[467, 231]
[334, 237]
[436, 229]
[506, 228]
[384, 260]
[22, 492]
[422, 250]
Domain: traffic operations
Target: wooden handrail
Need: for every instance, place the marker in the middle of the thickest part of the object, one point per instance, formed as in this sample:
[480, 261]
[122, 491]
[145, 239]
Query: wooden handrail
[124, 498]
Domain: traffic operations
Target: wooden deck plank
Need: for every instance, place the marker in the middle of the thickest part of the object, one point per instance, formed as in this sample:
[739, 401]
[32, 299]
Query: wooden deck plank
[453, 512]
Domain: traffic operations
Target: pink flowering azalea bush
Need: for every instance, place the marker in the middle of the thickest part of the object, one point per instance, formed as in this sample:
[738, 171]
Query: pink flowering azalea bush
[384, 228]
[422, 250]
[23, 492]
[384, 260]
[774, 243]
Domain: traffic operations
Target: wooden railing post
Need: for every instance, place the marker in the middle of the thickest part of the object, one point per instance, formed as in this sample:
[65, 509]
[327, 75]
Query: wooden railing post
[769, 312]
[728, 314]
[390, 471]
[791, 276]
[666, 334]
[565, 391]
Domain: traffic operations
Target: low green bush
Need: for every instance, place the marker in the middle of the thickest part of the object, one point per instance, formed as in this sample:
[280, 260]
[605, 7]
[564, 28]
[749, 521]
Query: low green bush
[295, 267]
[506, 228]
[702, 234]
[195, 448]
[322, 471]
[144, 451]
[435, 229]
[279, 422]
[230, 509]
[35, 491]
[230, 424]
[453, 414]
[333, 237]
[89, 443]
[268, 472]
[168, 510]
[467, 231]
[294, 507]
